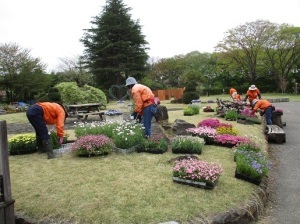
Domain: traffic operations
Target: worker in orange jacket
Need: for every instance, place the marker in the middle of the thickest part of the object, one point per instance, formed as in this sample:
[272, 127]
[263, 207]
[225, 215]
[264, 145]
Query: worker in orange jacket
[232, 91]
[42, 114]
[252, 93]
[144, 103]
[266, 109]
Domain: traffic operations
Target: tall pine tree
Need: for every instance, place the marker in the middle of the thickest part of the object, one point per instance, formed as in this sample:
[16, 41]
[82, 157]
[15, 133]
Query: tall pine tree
[115, 45]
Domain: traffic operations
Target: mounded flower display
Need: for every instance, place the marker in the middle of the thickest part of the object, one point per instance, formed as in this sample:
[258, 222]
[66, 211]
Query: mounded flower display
[207, 133]
[197, 171]
[92, 145]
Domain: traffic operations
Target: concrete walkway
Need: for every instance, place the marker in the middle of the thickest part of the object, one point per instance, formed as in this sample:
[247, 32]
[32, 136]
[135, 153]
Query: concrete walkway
[284, 201]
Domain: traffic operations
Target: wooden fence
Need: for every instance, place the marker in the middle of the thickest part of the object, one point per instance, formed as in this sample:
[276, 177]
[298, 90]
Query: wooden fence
[6, 202]
[166, 94]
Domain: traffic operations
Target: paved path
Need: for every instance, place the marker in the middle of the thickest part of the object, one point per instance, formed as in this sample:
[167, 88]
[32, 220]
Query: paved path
[284, 204]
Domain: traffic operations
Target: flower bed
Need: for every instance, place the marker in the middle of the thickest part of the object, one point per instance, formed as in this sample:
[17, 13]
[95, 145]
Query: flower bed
[196, 173]
[22, 144]
[155, 144]
[92, 145]
[187, 144]
[207, 133]
[230, 140]
[251, 166]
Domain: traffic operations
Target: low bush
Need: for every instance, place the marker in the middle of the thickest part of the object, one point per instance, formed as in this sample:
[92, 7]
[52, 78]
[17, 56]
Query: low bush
[22, 144]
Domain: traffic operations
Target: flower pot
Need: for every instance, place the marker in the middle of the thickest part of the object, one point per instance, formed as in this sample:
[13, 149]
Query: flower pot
[227, 145]
[198, 184]
[244, 177]
[185, 151]
[152, 150]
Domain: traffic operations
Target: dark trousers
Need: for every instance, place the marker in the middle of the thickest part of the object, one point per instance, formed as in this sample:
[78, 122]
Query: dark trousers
[35, 116]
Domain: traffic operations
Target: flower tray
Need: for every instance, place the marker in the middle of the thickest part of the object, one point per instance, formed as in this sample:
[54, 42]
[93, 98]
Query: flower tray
[125, 151]
[244, 177]
[153, 151]
[185, 151]
[194, 183]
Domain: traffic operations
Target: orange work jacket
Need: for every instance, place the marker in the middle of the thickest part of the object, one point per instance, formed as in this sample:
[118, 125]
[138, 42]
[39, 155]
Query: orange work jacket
[262, 104]
[252, 94]
[54, 114]
[142, 96]
[231, 91]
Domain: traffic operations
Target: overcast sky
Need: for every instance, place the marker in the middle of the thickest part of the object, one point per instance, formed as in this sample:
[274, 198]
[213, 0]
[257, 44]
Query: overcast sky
[51, 29]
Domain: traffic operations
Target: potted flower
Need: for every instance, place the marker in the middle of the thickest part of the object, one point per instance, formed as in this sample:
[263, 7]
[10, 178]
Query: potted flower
[92, 145]
[208, 109]
[207, 133]
[154, 144]
[226, 130]
[187, 144]
[127, 137]
[251, 166]
[230, 140]
[196, 173]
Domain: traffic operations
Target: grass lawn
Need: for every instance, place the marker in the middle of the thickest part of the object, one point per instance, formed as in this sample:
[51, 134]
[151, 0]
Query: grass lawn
[133, 188]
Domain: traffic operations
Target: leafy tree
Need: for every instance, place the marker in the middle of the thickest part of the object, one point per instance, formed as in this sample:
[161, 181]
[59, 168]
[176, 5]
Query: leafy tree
[242, 45]
[21, 75]
[73, 70]
[115, 45]
[282, 52]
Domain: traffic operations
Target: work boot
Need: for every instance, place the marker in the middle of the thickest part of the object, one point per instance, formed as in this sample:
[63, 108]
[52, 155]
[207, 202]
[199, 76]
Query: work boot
[49, 149]
[39, 143]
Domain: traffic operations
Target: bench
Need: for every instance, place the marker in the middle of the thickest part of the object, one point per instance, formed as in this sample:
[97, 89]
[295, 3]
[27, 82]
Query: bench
[86, 114]
[275, 134]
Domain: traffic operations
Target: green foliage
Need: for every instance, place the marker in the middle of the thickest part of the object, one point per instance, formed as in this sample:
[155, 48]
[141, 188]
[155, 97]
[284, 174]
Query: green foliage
[189, 96]
[252, 164]
[187, 144]
[231, 115]
[191, 87]
[188, 111]
[195, 108]
[54, 140]
[72, 94]
[115, 45]
[22, 76]
[127, 135]
[22, 144]
[53, 95]
[154, 144]
[90, 129]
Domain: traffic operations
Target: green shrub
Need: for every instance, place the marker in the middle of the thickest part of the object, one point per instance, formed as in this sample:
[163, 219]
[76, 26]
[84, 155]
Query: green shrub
[231, 115]
[22, 144]
[187, 97]
[195, 108]
[71, 94]
[188, 111]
